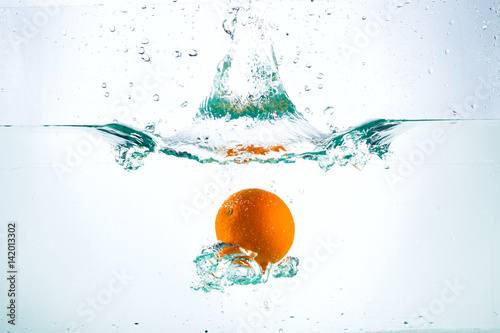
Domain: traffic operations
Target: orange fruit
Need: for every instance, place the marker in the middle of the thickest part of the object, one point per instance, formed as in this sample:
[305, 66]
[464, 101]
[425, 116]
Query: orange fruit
[257, 221]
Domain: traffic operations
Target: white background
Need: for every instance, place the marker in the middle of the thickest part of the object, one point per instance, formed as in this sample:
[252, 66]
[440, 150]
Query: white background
[402, 235]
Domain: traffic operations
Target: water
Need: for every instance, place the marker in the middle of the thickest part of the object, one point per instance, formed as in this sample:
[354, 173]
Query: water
[408, 244]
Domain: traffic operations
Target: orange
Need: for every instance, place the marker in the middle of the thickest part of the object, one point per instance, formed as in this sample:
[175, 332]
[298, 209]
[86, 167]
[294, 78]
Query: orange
[257, 221]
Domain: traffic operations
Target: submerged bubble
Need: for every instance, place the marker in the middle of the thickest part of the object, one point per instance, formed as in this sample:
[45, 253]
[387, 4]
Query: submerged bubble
[217, 271]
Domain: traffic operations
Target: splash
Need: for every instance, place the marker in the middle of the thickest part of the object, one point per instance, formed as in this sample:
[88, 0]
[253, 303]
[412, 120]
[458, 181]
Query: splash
[216, 271]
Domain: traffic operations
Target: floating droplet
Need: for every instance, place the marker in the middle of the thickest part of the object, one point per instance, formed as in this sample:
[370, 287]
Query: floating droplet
[141, 50]
[193, 53]
[145, 41]
[103, 85]
[150, 127]
[156, 98]
[328, 111]
[177, 54]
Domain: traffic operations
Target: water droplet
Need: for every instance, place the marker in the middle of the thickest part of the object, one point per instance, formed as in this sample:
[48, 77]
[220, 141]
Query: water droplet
[328, 111]
[146, 58]
[267, 309]
[177, 54]
[363, 18]
[320, 86]
[328, 11]
[2, 90]
[430, 70]
[184, 104]
[145, 41]
[222, 312]
[447, 51]
[320, 75]
[265, 303]
[307, 110]
[112, 29]
[106, 94]
[451, 22]
[141, 50]
[308, 65]
[156, 98]
[198, 140]
[296, 60]
[134, 119]
[132, 28]
[131, 84]
[307, 88]
[150, 127]
[485, 27]
[136, 324]
[103, 85]
[144, 7]
[64, 32]
[193, 53]
[115, 121]
[245, 304]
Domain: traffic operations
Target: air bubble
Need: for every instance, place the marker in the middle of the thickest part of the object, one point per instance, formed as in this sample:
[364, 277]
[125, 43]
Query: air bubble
[141, 50]
[131, 84]
[156, 98]
[104, 85]
[106, 94]
[146, 58]
[177, 54]
[193, 53]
